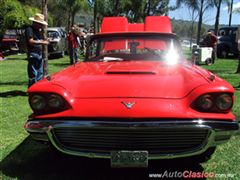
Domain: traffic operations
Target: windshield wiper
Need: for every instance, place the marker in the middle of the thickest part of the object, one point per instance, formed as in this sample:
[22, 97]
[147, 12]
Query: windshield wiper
[107, 59]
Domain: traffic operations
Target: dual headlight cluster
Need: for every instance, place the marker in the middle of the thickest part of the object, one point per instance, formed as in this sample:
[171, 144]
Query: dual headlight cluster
[47, 102]
[214, 103]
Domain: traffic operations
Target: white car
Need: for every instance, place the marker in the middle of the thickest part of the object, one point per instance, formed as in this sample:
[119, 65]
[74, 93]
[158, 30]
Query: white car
[58, 42]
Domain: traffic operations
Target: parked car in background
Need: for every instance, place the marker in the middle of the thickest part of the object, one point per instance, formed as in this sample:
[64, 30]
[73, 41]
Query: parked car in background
[133, 99]
[58, 42]
[186, 44]
[226, 42]
[9, 43]
[57, 38]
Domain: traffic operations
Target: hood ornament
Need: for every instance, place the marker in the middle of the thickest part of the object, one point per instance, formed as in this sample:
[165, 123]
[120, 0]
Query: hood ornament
[128, 105]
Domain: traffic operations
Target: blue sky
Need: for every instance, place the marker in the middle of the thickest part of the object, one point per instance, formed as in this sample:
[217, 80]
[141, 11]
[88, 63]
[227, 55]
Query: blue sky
[209, 16]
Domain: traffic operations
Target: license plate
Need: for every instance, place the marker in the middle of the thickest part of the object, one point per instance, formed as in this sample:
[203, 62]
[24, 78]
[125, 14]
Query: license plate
[129, 158]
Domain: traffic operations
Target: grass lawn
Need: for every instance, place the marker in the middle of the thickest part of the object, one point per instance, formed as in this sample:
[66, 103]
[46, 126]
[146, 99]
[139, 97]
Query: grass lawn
[22, 158]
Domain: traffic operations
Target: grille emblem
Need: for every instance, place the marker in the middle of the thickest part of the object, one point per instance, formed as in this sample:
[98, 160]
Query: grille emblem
[128, 105]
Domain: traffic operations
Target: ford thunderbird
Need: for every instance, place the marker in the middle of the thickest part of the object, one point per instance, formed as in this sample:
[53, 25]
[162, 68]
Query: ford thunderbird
[134, 98]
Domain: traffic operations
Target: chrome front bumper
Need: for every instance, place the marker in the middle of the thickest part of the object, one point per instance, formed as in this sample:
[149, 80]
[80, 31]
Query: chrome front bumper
[218, 132]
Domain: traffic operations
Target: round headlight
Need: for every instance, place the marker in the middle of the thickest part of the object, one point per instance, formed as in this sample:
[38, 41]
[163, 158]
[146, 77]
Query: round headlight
[55, 101]
[205, 102]
[224, 102]
[38, 102]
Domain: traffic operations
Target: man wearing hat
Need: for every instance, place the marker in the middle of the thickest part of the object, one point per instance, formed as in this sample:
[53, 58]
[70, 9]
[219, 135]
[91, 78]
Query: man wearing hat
[210, 40]
[34, 40]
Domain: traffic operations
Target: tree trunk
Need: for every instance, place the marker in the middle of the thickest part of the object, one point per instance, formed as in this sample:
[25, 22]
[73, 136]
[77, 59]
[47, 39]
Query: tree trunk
[73, 18]
[230, 13]
[95, 17]
[217, 17]
[98, 24]
[146, 11]
[200, 21]
[191, 30]
[45, 47]
[116, 8]
[69, 20]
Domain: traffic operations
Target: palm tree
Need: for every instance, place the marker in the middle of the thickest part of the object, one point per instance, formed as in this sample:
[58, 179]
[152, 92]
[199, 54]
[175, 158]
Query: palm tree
[203, 6]
[230, 10]
[218, 4]
[230, 13]
[193, 5]
[200, 6]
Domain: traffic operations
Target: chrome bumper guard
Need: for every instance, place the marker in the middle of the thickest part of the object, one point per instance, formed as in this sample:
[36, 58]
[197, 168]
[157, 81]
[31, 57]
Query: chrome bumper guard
[219, 132]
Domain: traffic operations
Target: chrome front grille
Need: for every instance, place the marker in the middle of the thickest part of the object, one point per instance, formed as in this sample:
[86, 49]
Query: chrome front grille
[155, 141]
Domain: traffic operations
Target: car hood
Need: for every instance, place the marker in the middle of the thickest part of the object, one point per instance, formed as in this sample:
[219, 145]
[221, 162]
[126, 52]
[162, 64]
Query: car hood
[54, 40]
[133, 79]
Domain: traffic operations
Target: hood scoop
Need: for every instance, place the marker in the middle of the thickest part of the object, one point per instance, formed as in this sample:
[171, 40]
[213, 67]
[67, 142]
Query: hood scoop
[131, 72]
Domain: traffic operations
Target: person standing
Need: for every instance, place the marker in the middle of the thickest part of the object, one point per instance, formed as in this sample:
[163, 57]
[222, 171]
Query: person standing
[73, 45]
[34, 41]
[211, 41]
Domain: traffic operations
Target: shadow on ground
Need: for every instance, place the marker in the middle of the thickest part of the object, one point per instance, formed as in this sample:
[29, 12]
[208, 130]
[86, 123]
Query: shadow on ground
[16, 58]
[13, 93]
[237, 88]
[31, 160]
[14, 83]
[61, 64]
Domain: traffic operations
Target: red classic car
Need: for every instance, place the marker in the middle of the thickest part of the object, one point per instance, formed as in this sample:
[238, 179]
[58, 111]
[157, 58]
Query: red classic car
[134, 98]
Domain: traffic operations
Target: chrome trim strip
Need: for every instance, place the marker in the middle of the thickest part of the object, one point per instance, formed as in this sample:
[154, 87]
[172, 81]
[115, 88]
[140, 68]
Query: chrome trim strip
[47, 126]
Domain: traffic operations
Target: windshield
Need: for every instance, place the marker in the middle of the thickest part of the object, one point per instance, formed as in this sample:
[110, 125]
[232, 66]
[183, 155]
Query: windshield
[53, 34]
[139, 47]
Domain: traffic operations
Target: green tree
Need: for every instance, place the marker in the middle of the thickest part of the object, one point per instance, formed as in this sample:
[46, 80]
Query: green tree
[29, 11]
[12, 16]
[32, 3]
[134, 11]
[72, 7]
